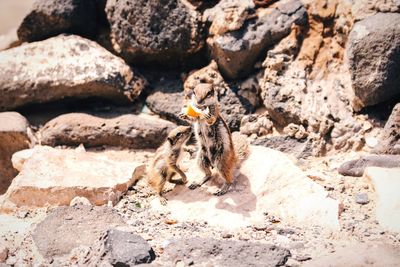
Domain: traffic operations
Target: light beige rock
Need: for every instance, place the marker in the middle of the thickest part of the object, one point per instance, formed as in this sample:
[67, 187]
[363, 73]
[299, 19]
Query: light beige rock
[228, 15]
[55, 176]
[386, 183]
[64, 66]
[80, 201]
[268, 181]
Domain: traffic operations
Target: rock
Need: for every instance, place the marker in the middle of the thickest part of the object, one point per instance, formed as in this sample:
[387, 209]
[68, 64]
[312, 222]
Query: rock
[166, 100]
[267, 181]
[48, 18]
[362, 198]
[256, 124]
[80, 201]
[237, 51]
[153, 32]
[362, 9]
[356, 167]
[56, 176]
[120, 248]
[358, 255]
[14, 130]
[302, 148]
[66, 228]
[373, 55]
[212, 252]
[386, 183]
[64, 66]
[389, 141]
[228, 15]
[127, 131]
[232, 106]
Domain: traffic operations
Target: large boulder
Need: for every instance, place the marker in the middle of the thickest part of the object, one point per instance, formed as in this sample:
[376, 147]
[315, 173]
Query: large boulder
[66, 228]
[267, 182]
[386, 183]
[13, 137]
[162, 32]
[64, 66]
[50, 176]
[212, 252]
[128, 131]
[374, 58]
[49, 18]
[389, 141]
[237, 51]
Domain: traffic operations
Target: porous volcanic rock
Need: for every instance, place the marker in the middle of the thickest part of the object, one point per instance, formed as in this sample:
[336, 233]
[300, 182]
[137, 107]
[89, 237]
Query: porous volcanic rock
[389, 141]
[66, 228]
[49, 18]
[374, 58]
[162, 32]
[213, 252]
[64, 66]
[54, 177]
[228, 15]
[127, 131]
[237, 51]
[167, 99]
[120, 248]
[13, 137]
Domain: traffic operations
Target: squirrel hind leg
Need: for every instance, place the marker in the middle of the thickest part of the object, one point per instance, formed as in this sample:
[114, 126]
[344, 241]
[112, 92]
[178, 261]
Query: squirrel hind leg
[223, 190]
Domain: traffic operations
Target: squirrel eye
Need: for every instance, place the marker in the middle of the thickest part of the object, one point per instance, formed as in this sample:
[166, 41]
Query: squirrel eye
[178, 135]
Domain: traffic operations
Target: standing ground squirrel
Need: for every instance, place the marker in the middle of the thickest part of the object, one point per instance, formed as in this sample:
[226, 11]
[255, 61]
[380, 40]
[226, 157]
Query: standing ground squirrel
[164, 165]
[214, 139]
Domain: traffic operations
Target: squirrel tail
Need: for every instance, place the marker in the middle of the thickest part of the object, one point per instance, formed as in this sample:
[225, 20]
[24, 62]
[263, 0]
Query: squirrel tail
[241, 146]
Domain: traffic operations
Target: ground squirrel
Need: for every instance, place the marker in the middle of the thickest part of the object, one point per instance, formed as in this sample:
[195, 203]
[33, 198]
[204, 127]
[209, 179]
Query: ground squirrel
[214, 139]
[164, 165]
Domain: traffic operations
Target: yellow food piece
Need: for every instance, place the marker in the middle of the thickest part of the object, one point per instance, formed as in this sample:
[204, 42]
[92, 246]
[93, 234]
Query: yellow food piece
[192, 111]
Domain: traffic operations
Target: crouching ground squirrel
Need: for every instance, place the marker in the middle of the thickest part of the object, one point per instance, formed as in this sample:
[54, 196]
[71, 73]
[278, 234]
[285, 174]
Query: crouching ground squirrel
[164, 165]
[214, 139]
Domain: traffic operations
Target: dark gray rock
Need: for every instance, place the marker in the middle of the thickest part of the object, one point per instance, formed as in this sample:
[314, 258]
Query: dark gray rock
[302, 148]
[166, 100]
[64, 66]
[120, 248]
[13, 137]
[374, 58]
[164, 32]
[357, 167]
[362, 198]
[49, 18]
[389, 141]
[237, 51]
[128, 131]
[66, 228]
[212, 252]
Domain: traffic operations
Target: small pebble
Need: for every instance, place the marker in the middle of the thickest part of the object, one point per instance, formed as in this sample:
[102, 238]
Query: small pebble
[362, 198]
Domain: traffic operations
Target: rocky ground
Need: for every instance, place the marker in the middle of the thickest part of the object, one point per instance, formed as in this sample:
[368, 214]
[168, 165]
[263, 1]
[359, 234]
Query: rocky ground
[91, 88]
